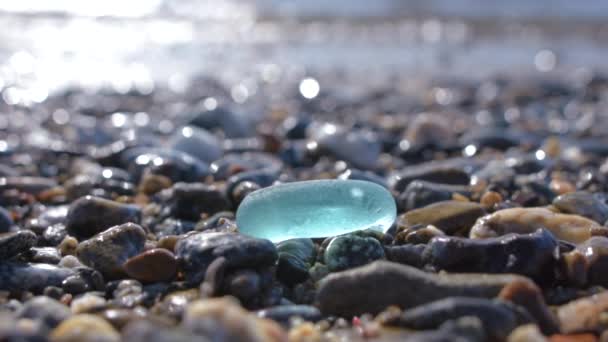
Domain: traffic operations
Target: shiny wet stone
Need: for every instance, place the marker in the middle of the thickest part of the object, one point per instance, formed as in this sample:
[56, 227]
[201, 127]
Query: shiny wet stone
[107, 251]
[313, 209]
[16, 276]
[448, 216]
[197, 251]
[90, 215]
[152, 266]
[348, 251]
[584, 204]
[296, 256]
[14, 243]
[190, 200]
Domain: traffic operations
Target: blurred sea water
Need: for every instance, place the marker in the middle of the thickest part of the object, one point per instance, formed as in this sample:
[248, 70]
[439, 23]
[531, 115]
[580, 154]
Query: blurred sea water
[47, 45]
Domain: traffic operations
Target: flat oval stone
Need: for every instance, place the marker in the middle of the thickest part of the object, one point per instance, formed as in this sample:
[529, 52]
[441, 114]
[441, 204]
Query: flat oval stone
[91, 215]
[313, 209]
[155, 265]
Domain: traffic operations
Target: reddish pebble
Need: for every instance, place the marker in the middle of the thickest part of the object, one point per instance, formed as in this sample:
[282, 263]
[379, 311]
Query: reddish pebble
[561, 187]
[573, 338]
[490, 198]
[155, 265]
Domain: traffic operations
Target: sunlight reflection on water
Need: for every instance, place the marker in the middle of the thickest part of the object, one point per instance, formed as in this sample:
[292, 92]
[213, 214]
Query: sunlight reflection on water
[132, 45]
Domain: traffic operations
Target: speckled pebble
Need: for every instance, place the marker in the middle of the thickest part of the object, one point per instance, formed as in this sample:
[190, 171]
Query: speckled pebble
[107, 251]
[348, 251]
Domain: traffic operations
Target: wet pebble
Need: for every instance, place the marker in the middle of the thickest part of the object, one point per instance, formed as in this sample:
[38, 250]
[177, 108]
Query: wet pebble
[190, 200]
[84, 327]
[222, 221]
[530, 297]
[465, 328]
[346, 293]
[418, 234]
[90, 215]
[83, 185]
[295, 258]
[499, 139]
[244, 284]
[352, 250]
[360, 148]
[151, 184]
[242, 190]
[234, 163]
[173, 227]
[498, 318]
[430, 129]
[407, 254]
[17, 277]
[174, 303]
[70, 261]
[588, 337]
[261, 178]
[17, 242]
[294, 127]
[223, 319]
[47, 310]
[572, 228]
[491, 199]
[231, 123]
[12, 329]
[85, 279]
[49, 217]
[45, 255]
[108, 251]
[584, 204]
[448, 216]
[54, 235]
[121, 317]
[87, 303]
[362, 175]
[534, 255]
[422, 193]
[583, 315]
[197, 251]
[197, 142]
[155, 265]
[447, 172]
[586, 264]
[146, 331]
[175, 165]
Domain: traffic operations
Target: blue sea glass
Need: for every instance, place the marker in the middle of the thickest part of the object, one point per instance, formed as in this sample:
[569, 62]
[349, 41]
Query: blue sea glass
[313, 209]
